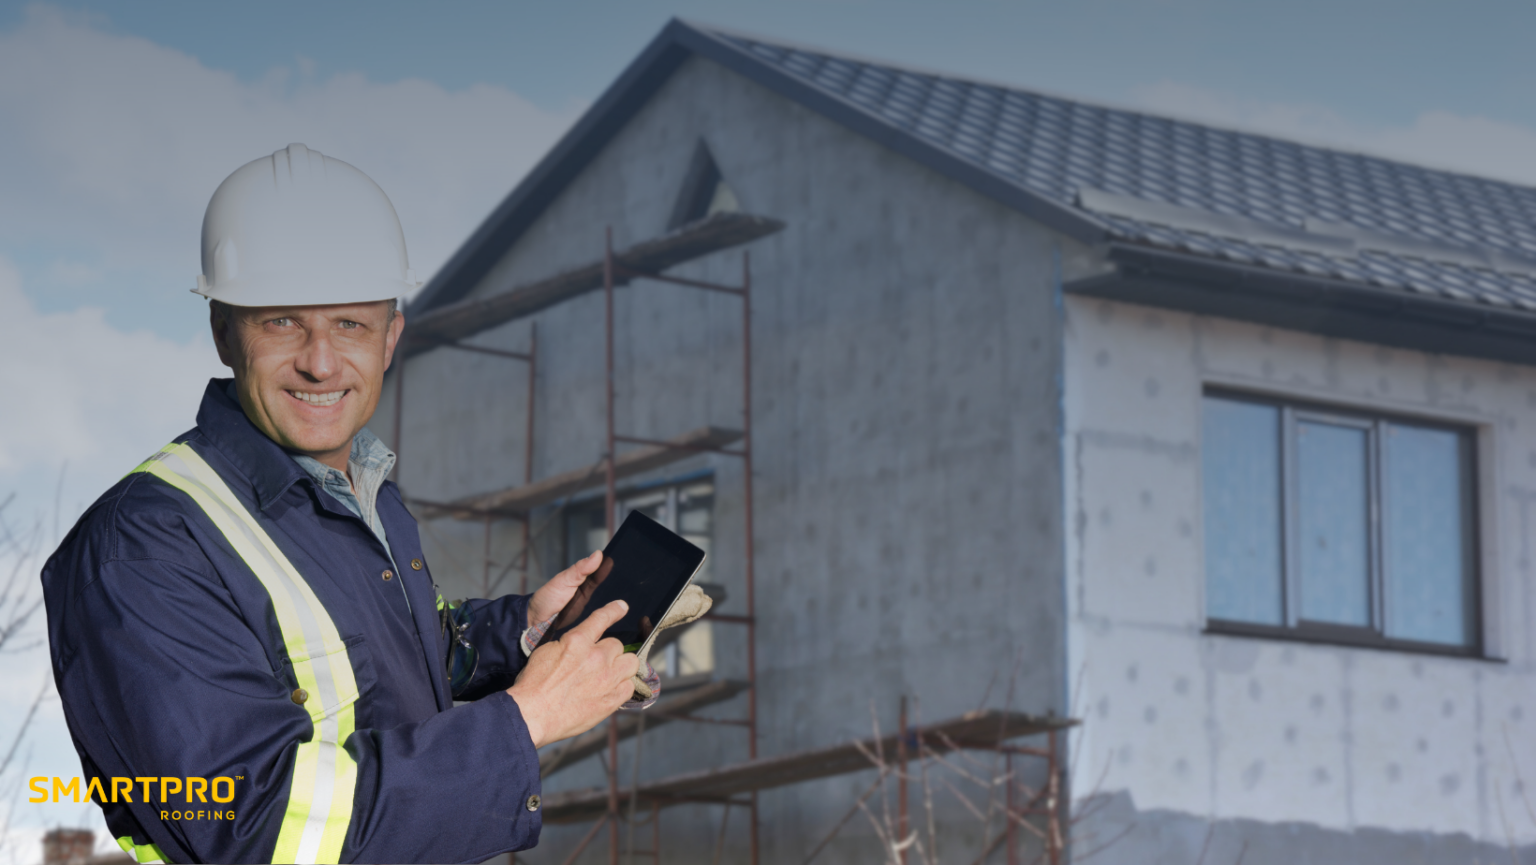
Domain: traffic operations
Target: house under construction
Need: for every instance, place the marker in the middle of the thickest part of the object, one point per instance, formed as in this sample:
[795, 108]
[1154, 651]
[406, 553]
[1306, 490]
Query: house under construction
[979, 398]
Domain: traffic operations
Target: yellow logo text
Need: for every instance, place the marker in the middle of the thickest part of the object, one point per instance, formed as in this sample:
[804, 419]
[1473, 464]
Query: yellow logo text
[221, 789]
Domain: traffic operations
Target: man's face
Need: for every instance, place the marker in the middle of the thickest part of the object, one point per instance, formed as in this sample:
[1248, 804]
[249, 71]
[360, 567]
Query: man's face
[309, 376]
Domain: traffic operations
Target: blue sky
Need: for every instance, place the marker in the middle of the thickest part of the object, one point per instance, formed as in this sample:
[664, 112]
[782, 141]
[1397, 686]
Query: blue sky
[117, 121]
[1363, 75]
[1375, 61]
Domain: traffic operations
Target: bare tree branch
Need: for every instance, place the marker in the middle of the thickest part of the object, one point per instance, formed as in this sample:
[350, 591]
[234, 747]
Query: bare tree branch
[25, 723]
[846, 817]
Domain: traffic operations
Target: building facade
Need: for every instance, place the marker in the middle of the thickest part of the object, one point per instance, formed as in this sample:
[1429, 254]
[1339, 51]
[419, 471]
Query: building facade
[1217, 443]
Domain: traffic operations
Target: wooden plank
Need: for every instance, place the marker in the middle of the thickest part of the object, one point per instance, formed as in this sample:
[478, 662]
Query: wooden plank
[596, 739]
[972, 730]
[473, 315]
[520, 500]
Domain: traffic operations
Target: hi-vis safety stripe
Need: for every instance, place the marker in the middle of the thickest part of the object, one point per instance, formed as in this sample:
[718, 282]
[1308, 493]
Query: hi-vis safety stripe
[324, 774]
[144, 854]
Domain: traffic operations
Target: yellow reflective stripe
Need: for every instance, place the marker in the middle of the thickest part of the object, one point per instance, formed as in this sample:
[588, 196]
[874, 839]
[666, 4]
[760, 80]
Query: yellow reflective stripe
[141, 853]
[324, 776]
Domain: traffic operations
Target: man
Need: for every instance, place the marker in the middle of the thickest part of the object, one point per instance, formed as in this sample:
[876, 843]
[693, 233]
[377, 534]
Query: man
[245, 626]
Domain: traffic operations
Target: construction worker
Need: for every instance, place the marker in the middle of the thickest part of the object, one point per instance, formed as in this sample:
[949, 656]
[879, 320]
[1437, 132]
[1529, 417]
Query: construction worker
[252, 656]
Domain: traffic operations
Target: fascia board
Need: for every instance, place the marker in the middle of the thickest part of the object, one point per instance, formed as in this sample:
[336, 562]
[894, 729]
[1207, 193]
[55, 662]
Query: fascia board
[1328, 307]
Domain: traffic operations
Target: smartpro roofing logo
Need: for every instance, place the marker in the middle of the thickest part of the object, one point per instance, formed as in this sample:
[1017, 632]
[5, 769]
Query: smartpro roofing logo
[197, 791]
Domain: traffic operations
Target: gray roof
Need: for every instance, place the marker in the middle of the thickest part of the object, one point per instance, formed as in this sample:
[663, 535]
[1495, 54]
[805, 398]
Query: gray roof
[1178, 204]
[1244, 198]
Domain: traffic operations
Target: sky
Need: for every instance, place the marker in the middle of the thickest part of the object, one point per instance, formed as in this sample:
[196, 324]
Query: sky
[118, 120]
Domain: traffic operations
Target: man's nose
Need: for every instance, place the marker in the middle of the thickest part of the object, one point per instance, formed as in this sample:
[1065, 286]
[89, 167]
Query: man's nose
[318, 358]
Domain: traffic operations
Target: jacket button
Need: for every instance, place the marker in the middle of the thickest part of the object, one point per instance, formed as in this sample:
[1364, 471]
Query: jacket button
[415, 564]
[533, 802]
[389, 575]
[299, 695]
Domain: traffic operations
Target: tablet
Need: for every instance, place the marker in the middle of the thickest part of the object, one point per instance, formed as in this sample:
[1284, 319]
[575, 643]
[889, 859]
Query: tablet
[645, 564]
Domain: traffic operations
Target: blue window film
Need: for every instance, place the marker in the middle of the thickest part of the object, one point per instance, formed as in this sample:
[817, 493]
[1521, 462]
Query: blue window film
[1241, 464]
[1426, 542]
[1333, 531]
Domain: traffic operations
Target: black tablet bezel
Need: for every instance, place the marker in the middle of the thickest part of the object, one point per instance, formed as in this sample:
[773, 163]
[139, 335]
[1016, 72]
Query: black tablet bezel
[669, 541]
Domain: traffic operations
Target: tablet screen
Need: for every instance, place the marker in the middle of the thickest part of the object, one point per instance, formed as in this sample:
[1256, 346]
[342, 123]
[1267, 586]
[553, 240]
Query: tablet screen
[646, 565]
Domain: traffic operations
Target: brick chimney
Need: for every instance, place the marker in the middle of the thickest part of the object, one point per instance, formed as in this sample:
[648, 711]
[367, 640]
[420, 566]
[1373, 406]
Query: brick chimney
[68, 846]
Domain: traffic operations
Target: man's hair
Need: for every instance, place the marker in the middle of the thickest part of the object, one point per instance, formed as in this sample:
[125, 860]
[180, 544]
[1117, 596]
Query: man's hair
[223, 309]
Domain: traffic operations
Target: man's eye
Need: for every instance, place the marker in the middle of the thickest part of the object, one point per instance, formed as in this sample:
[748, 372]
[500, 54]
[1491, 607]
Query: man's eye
[348, 325]
[281, 322]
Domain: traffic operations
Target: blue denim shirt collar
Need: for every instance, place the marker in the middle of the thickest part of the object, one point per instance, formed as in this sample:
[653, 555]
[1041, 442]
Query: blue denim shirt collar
[368, 465]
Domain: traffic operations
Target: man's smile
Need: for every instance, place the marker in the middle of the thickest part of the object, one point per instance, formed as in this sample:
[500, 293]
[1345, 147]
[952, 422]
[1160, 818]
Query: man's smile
[321, 400]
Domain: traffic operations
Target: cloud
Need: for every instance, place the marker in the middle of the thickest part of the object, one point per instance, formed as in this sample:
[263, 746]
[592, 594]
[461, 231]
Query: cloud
[110, 148]
[1439, 139]
[112, 145]
[76, 388]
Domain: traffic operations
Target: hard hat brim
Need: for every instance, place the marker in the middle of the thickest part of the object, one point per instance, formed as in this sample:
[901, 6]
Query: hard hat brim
[295, 292]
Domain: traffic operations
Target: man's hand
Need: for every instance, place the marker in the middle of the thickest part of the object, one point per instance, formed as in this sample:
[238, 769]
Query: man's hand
[552, 597]
[568, 686]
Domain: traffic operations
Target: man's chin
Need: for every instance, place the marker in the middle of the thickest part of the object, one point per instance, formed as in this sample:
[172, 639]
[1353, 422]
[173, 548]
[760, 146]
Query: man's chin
[315, 443]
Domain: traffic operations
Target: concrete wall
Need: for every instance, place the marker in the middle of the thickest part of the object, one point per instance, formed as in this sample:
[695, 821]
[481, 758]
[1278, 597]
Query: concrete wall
[907, 420]
[1303, 753]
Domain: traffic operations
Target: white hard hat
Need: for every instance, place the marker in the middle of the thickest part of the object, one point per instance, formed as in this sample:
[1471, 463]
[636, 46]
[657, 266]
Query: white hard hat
[299, 228]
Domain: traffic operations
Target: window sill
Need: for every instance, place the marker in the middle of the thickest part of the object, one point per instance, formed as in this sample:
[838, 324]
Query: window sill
[1335, 635]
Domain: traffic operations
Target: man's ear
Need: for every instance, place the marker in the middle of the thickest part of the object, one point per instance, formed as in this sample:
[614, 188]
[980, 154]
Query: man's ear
[223, 332]
[392, 336]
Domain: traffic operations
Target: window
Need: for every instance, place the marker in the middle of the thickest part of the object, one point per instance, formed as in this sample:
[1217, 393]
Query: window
[704, 192]
[685, 508]
[1338, 526]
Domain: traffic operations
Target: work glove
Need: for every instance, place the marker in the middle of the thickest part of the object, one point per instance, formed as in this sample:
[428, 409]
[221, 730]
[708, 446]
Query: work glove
[691, 604]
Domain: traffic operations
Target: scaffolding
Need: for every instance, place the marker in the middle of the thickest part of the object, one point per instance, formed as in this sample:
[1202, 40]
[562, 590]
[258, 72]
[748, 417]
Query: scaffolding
[446, 327]
[736, 785]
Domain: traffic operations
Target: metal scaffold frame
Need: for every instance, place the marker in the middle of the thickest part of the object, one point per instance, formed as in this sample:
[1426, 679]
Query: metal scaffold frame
[736, 785]
[445, 327]
[531, 359]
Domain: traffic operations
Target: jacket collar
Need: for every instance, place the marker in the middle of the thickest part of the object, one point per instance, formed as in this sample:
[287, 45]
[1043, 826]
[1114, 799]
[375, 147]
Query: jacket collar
[266, 466]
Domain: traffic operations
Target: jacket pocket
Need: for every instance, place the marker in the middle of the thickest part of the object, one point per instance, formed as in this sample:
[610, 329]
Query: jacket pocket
[341, 676]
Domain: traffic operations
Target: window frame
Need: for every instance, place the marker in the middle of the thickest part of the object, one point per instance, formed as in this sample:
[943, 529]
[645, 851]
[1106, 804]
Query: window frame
[1293, 411]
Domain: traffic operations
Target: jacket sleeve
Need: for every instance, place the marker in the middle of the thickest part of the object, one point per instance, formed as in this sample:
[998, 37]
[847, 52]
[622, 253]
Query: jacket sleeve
[163, 680]
[484, 654]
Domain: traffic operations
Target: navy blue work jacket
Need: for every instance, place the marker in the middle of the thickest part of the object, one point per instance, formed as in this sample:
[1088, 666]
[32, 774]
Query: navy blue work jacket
[170, 664]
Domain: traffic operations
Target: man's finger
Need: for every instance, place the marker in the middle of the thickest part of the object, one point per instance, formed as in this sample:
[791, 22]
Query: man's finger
[611, 646]
[601, 620]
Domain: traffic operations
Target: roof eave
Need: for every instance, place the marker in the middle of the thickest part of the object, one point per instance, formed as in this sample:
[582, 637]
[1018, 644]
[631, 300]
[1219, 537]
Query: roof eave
[1324, 306]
